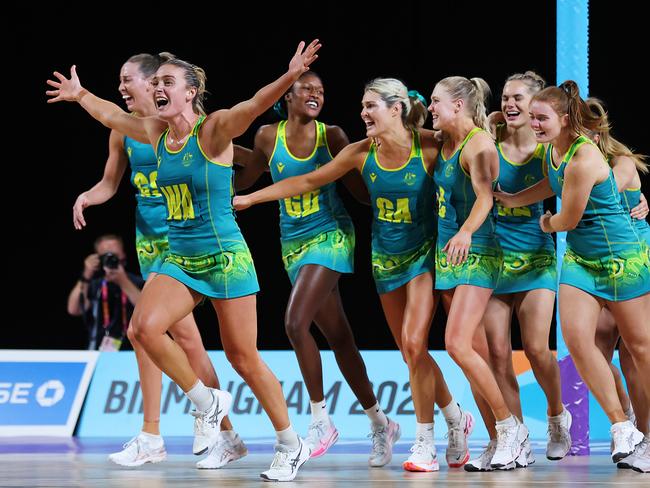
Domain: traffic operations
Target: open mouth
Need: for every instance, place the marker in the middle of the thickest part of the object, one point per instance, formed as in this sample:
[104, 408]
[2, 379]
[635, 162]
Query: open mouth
[127, 98]
[161, 102]
[512, 114]
[312, 104]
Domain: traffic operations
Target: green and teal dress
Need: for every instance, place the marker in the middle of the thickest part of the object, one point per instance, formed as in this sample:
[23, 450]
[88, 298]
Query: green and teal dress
[207, 251]
[403, 226]
[314, 227]
[605, 255]
[456, 198]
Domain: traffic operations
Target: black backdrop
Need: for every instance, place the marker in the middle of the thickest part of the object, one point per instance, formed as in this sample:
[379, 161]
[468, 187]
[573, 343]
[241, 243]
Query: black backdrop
[61, 151]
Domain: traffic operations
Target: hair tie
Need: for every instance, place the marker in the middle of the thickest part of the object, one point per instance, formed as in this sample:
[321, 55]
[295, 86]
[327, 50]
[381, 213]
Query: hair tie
[416, 94]
[279, 110]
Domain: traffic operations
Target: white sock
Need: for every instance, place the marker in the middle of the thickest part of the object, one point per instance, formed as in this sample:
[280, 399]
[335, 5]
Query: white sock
[452, 412]
[288, 438]
[154, 440]
[319, 412]
[230, 435]
[556, 418]
[377, 415]
[508, 422]
[201, 396]
[424, 430]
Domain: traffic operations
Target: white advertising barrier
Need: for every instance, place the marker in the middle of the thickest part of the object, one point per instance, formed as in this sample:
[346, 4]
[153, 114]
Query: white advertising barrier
[41, 392]
[114, 403]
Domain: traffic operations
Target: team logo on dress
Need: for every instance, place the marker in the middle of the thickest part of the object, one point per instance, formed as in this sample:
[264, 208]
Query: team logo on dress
[129, 151]
[529, 179]
[409, 178]
[187, 159]
[449, 170]
[280, 167]
[159, 161]
[373, 177]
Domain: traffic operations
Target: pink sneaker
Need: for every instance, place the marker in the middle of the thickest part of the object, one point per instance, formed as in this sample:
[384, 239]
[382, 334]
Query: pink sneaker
[320, 437]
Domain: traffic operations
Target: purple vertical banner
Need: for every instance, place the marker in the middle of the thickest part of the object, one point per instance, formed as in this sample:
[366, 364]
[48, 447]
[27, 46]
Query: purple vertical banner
[572, 63]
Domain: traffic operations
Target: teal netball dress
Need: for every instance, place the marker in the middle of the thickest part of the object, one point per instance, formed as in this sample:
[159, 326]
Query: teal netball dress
[455, 200]
[207, 251]
[630, 198]
[314, 227]
[528, 253]
[605, 256]
[150, 214]
[403, 226]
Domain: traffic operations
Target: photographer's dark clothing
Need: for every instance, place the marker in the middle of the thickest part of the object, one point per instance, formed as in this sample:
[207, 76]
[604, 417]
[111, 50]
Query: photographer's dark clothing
[110, 309]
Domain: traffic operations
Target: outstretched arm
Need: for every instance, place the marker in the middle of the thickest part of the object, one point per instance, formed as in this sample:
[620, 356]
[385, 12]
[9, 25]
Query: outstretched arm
[337, 139]
[144, 130]
[105, 189]
[349, 158]
[536, 193]
[225, 125]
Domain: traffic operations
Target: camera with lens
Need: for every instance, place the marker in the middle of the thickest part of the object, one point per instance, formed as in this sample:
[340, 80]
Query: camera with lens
[109, 260]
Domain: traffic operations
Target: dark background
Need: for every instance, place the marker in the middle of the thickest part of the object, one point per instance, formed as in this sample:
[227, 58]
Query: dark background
[61, 150]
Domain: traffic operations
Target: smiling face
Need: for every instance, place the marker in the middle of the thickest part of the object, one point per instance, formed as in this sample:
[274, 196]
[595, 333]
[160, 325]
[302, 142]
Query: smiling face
[443, 109]
[545, 121]
[377, 116]
[306, 96]
[515, 101]
[170, 91]
[134, 87]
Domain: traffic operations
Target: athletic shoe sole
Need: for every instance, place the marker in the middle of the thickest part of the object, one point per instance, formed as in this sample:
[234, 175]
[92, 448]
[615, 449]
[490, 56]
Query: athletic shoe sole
[469, 428]
[420, 468]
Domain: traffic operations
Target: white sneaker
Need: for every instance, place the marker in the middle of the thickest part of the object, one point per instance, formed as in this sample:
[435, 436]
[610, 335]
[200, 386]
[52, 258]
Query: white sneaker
[383, 439]
[206, 424]
[526, 458]
[457, 452]
[423, 456]
[623, 437]
[484, 461]
[138, 451]
[559, 436]
[321, 436]
[225, 451]
[510, 443]
[641, 462]
[286, 462]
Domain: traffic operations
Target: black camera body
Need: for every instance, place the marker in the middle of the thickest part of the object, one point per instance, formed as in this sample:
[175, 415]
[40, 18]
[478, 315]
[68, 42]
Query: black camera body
[109, 260]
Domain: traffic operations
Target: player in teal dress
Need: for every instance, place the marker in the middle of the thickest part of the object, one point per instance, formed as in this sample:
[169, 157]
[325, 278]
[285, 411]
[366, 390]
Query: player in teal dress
[151, 245]
[207, 254]
[317, 238]
[468, 256]
[626, 166]
[396, 161]
[528, 280]
[605, 262]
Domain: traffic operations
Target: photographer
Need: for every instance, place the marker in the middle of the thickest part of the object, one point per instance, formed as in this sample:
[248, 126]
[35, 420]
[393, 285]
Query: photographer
[105, 294]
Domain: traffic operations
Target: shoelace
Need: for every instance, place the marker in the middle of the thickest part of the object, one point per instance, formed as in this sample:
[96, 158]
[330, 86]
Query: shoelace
[488, 453]
[315, 431]
[420, 446]
[555, 431]
[619, 437]
[505, 436]
[455, 435]
[280, 459]
[378, 440]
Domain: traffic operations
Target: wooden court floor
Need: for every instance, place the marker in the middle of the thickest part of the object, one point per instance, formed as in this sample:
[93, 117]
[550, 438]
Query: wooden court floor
[75, 464]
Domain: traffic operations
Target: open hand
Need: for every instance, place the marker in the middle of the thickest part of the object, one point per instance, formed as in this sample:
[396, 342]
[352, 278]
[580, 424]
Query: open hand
[457, 248]
[68, 90]
[303, 57]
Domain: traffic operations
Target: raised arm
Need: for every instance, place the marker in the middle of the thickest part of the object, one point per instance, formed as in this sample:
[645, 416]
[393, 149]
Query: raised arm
[349, 158]
[107, 187]
[585, 171]
[225, 125]
[142, 129]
